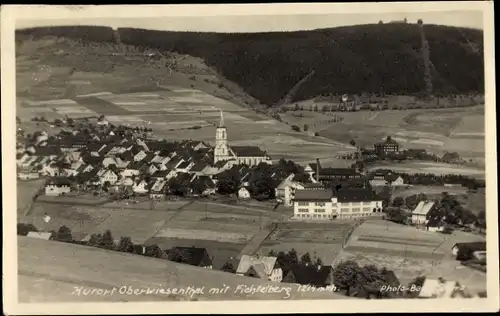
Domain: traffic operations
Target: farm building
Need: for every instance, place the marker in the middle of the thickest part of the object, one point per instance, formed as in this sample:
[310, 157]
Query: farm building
[386, 179]
[57, 186]
[266, 268]
[329, 204]
[387, 146]
[237, 155]
[419, 214]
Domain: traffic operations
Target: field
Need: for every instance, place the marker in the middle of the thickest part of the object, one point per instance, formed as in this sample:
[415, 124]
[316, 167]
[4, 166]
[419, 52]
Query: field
[427, 190]
[25, 192]
[50, 278]
[320, 240]
[410, 252]
[437, 130]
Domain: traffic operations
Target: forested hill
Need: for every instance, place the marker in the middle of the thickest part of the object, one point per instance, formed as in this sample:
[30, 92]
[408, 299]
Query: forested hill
[378, 58]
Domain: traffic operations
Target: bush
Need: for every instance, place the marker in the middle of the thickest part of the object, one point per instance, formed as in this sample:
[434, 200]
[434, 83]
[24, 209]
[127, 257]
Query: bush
[23, 229]
[295, 128]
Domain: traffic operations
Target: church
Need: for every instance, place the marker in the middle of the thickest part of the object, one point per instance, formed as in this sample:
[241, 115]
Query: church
[236, 155]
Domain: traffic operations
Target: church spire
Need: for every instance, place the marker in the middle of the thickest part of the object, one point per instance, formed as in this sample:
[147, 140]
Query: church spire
[221, 123]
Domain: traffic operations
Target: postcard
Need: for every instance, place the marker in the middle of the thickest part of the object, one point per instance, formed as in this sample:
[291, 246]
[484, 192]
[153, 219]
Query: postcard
[275, 158]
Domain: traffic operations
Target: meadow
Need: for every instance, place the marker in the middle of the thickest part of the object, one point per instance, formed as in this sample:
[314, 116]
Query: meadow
[54, 277]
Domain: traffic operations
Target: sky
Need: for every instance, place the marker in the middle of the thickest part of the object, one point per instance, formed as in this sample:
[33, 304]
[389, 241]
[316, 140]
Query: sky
[266, 23]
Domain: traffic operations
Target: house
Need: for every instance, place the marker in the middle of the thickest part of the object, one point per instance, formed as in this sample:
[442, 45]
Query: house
[207, 183]
[317, 276]
[394, 180]
[439, 288]
[419, 214]
[152, 169]
[109, 161]
[108, 176]
[285, 191]
[140, 155]
[50, 169]
[474, 246]
[158, 190]
[386, 147]
[193, 256]
[126, 182]
[57, 186]
[131, 170]
[266, 268]
[243, 193]
[341, 203]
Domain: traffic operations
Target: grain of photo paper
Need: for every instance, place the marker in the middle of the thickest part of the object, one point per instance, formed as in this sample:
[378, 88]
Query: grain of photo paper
[275, 158]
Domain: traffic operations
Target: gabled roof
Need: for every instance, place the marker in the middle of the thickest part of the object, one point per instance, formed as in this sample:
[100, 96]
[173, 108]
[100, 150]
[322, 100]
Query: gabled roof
[313, 195]
[248, 151]
[183, 165]
[267, 263]
[355, 195]
[391, 177]
[423, 208]
[207, 181]
[194, 256]
[198, 167]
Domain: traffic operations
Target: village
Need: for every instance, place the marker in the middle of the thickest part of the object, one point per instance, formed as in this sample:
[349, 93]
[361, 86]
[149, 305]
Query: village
[92, 159]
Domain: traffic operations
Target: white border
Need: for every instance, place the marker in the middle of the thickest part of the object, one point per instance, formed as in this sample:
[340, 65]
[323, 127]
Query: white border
[10, 13]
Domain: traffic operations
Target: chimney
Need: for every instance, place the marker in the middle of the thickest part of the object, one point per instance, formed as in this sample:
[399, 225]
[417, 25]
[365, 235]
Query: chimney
[317, 169]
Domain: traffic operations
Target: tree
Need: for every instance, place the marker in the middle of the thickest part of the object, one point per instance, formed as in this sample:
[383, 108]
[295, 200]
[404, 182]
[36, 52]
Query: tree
[125, 245]
[229, 181]
[177, 187]
[352, 143]
[198, 186]
[398, 201]
[175, 255]
[318, 261]
[154, 251]
[306, 259]
[385, 195]
[295, 128]
[70, 121]
[228, 267]
[64, 234]
[306, 127]
[107, 240]
[95, 240]
[481, 220]
[346, 275]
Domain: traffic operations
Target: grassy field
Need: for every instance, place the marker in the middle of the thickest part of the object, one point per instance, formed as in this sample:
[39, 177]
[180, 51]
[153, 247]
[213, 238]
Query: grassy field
[427, 190]
[437, 130]
[25, 192]
[49, 271]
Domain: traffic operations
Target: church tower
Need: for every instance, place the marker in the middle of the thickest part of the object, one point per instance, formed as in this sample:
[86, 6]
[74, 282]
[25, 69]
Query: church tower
[221, 151]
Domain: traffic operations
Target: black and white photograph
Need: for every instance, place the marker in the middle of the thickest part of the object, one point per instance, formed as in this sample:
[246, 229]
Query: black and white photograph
[250, 156]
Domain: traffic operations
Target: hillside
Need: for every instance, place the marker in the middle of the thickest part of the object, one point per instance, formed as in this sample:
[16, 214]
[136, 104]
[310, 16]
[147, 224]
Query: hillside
[379, 58]
[50, 271]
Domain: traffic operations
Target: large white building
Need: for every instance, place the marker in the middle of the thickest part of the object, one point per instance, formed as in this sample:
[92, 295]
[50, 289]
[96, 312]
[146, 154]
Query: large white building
[327, 204]
[236, 155]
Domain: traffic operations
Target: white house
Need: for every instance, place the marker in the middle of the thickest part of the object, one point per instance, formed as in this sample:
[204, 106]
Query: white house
[346, 204]
[49, 169]
[158, 189]
[285, 191]
[419, 214]
[243, 193]
[140, 187]
[108, 176]
[57, 186]
[266, 268]
[130, 171]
